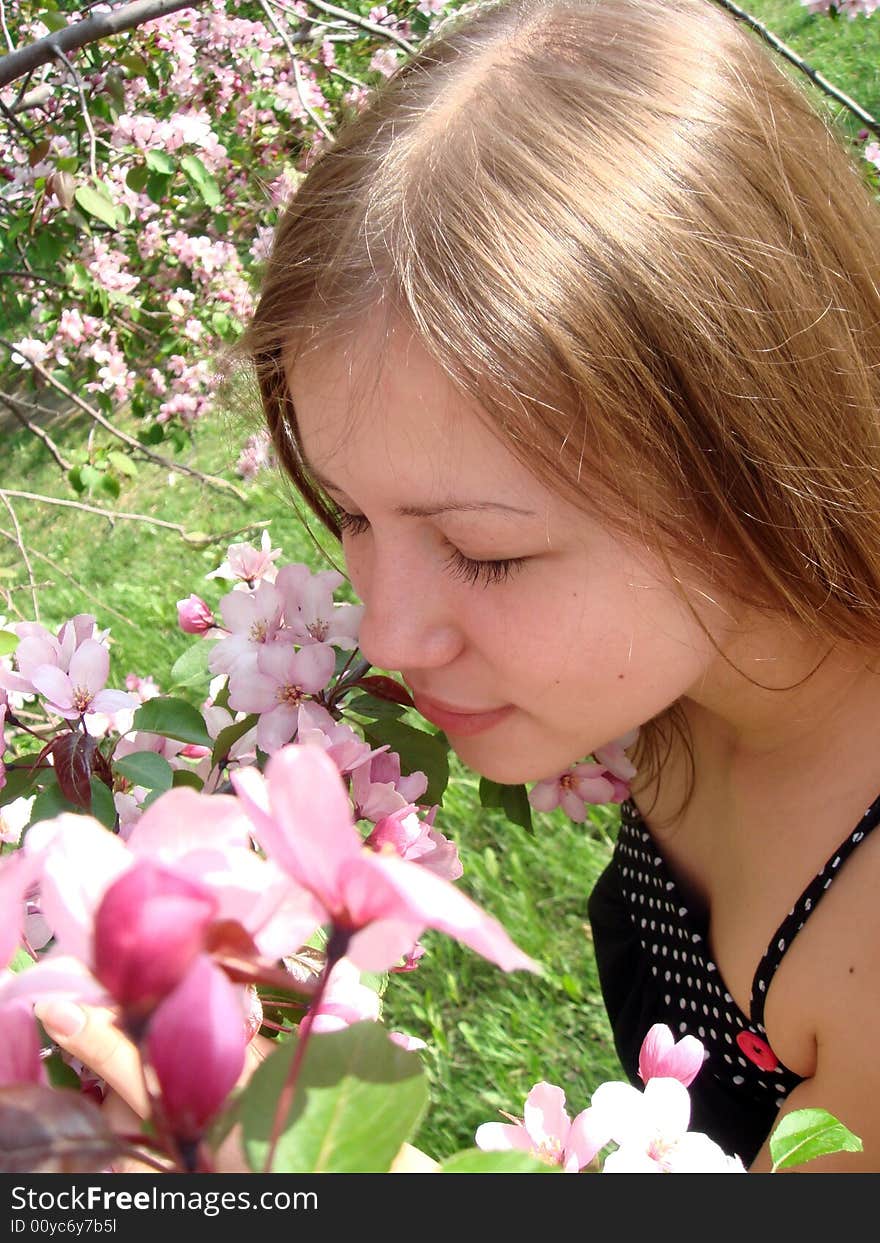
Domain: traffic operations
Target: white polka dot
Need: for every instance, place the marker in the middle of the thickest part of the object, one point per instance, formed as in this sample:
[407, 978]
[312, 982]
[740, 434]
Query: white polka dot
[835, 862]
[682, 1027]
[781, 943]
[701, 1031]
[738, 1079]
[667, 999]
[742, 1061]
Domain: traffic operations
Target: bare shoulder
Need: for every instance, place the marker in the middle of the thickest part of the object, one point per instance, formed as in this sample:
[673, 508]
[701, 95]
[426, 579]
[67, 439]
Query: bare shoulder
[830, 991]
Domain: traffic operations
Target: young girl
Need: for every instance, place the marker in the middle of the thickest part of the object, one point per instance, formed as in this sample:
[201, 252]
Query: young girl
[571, 335]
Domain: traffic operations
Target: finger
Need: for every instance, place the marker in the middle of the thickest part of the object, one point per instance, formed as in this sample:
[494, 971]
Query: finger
[89, 1033]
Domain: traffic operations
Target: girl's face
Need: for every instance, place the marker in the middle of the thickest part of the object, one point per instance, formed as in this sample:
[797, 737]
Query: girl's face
[481, 586]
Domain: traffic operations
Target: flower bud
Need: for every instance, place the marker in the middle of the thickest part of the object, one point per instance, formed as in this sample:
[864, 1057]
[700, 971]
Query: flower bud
[149, 927]
[194, 616]
[196, 1047]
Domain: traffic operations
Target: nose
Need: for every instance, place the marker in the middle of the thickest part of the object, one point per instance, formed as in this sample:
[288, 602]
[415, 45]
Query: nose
[408, 621]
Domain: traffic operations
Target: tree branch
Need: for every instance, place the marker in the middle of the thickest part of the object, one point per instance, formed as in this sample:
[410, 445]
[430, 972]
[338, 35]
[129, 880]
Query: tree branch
[12, 403]
[297, 74]
[363, 22]
[790, 55]
[88, 592]
[90, 30]
[212, 481]
[17, 539]
[112, 514]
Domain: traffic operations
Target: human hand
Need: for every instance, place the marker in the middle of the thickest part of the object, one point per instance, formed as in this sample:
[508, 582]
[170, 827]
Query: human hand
[89, 1034]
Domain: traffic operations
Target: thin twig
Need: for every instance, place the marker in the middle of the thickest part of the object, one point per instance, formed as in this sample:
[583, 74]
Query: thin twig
[17, 539]
[212, 481]
[297, 73]
[90, 30]
[112, 514]
[6, 35]
[88, 592]
[363, 22]
[84, 108]
[790, 55]
[12, 403]
[33, 276]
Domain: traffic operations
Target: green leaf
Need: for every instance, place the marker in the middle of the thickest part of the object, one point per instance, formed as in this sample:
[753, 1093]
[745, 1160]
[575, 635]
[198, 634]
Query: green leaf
[374, 709]
[122, 462]
[808, 1133]
[60, 1074]
[8, 642]
[516, 805]
[358, 1098]
[191, 669]
[95, 199]
[146, 768]
[418, 751]
[203, 181]
[160, 162]
[186, 777]
[103, 807]
[109, 485]
[137, 178]
[20, 783]
[490, 793]
[173, 718]
[157, 187]
[21, 960]
[50, 802]
[474, 1161]
[230, 735]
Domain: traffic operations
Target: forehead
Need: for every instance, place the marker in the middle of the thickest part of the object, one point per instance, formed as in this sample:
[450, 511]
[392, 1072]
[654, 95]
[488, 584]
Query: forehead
[373, 401]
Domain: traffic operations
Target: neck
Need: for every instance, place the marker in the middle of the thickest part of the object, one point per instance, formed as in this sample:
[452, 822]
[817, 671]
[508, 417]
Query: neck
[774, 712]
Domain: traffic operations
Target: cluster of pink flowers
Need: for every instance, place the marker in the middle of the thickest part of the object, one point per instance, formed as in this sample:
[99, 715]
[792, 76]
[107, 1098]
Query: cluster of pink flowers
[649, 1128]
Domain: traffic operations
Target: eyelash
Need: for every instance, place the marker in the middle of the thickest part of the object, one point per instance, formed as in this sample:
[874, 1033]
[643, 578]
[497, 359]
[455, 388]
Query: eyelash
[485, 572]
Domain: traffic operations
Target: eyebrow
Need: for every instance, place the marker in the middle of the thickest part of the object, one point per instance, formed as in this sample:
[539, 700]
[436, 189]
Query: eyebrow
[431, 511]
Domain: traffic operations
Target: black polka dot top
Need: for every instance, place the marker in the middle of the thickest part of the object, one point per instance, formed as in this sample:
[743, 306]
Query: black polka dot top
[655, 967]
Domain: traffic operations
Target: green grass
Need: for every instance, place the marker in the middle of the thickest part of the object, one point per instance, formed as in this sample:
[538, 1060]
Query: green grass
[846, 52]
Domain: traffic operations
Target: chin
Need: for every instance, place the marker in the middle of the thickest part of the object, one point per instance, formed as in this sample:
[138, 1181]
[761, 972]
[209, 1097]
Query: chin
[504, 770]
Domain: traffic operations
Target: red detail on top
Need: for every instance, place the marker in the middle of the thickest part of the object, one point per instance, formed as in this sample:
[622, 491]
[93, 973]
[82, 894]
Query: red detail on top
[757, 1050]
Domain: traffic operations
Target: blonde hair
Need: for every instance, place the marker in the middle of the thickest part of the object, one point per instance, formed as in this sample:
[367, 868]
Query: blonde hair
[622, 229]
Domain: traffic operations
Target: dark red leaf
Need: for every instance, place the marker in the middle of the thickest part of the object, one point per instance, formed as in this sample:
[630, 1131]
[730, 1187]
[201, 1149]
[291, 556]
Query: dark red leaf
[385, 688]
[74, 754]
[47, 1132]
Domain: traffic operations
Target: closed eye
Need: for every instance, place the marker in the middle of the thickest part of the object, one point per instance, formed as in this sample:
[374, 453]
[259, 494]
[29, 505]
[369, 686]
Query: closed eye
[460, 566]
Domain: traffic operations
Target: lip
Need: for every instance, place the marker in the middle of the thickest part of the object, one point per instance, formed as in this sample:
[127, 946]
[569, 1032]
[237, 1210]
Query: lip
[456, 721]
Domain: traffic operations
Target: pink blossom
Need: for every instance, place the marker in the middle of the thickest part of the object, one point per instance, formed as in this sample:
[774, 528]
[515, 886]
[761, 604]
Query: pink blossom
[573, 790]
[378, 905]
[663, 1057]
[547, 1132]
[409, 1043]
[345, 1000]
[317, 727]
[378, 789]
[248, 564]
[651, 1131]
[80, 690]
[196, 1045]
[277, 688]
[149, 927]
[20, 1046]
[194, 616]
[14, 818]
[417, 840]
[309, 609]
[253, 619]
[30, 351]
